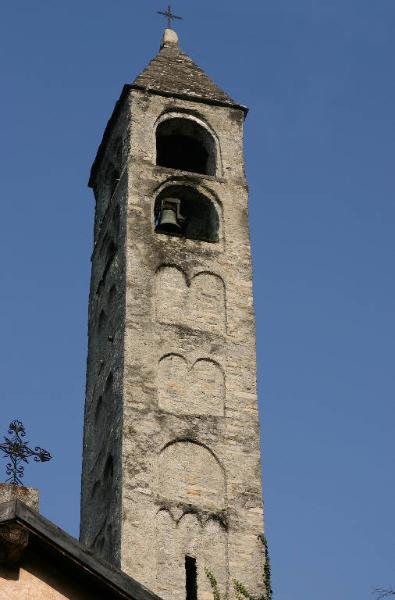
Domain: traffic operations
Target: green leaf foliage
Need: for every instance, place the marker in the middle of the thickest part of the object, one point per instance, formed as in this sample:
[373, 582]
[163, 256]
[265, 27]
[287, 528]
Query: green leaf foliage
[241, 592]
[214, 586]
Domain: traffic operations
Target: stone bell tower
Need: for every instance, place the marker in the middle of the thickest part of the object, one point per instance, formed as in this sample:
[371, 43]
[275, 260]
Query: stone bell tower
[171, 472]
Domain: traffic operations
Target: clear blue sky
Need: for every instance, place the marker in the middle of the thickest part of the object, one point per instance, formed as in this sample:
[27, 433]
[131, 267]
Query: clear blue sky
[318, 76]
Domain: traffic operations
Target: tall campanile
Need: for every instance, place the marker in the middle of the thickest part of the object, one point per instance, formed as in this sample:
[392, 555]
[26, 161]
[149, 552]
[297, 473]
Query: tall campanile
[171, 472]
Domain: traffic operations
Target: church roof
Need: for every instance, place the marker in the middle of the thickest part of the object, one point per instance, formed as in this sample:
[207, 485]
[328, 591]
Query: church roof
[58, 552]
[172, 72]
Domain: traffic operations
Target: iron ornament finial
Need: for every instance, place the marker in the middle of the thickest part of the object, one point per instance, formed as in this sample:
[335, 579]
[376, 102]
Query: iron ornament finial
[170, 16]
[16, 449]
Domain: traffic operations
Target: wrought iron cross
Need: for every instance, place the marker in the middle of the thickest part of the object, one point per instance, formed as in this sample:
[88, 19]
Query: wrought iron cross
[170, 16]
[18, 451]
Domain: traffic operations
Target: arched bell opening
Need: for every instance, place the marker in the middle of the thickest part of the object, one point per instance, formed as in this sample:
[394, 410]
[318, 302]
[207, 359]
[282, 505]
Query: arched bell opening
[111, 180]
[186, 145]
[184, 212]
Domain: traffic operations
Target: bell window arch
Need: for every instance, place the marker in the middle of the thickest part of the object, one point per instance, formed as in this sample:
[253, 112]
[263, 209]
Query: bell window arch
[185, 144]
[183, 211]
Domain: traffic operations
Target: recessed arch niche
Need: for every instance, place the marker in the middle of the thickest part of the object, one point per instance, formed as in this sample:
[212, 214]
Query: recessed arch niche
[189, 472]
[183, 143]
[199, 303]
[199, 216]
[184, 389]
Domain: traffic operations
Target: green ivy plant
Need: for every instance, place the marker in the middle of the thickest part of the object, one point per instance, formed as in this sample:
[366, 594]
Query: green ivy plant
[214, 586]
[241, 592]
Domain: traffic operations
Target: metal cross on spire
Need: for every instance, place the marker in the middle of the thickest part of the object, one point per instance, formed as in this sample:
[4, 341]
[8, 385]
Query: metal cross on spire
[18, 451]
[170, 16]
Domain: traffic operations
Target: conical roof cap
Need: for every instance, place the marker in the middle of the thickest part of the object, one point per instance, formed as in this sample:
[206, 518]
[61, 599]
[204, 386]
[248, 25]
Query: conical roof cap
[173, 73]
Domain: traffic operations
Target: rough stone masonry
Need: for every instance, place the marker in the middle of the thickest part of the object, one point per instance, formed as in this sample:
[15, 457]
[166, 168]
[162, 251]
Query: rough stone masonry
[171, 468]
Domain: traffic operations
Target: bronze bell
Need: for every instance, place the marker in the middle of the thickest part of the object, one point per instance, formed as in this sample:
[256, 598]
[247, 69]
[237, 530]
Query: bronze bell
[169, 218]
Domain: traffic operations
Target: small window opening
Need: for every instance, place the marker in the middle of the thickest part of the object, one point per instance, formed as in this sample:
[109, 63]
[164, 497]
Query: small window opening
[102, 320]
[112, 295]
[95, 489]
[184, 144]
[104, 245]
[109, 468]
[111, 180]
[116, 221]
[111, 252]
[191, 578]
[118, 151]
[109, 385]
[184, 212]
[98, 411]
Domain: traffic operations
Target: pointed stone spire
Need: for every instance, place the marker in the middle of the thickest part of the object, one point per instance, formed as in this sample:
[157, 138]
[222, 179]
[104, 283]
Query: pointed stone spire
[173, 73]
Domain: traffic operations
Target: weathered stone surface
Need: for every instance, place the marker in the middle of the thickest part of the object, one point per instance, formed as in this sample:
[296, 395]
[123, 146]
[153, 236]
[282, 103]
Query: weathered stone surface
[29, 496]
[198, 303]
[189, 473]
[190, 390]
[207, 540]
[173, 72]
[180, 426]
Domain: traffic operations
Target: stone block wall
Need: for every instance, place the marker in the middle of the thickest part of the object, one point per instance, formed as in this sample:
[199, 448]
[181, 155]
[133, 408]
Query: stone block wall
[182, 425]
[101, 505]
[191, 475]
